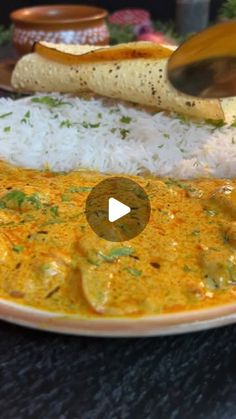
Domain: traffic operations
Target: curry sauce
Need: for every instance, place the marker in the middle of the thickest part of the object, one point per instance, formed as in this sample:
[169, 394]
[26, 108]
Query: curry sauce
[51, 259]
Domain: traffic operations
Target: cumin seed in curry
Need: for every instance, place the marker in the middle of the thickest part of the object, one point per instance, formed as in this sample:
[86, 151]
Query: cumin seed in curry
[51, 259]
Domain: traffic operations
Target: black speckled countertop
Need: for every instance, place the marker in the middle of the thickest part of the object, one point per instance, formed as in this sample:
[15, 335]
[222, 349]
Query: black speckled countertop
[44, 375]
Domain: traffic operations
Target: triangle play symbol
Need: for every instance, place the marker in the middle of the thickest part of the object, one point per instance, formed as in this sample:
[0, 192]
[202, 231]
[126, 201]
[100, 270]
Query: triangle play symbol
[116, 210]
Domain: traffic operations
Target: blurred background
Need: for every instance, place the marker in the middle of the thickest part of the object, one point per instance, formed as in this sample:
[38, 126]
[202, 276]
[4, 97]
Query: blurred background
[164, 10]
[160, 21]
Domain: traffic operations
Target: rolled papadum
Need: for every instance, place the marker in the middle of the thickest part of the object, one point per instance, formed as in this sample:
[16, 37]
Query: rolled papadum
[139, 80]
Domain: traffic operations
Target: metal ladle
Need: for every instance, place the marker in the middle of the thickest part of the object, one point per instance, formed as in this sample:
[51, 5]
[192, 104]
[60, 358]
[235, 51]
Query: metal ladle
[205, 65]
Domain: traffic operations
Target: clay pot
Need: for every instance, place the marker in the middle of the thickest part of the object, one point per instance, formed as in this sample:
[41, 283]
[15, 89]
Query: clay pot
[68, 24]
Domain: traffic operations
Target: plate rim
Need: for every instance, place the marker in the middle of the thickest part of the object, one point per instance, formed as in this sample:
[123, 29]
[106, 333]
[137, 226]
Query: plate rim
[159, 325]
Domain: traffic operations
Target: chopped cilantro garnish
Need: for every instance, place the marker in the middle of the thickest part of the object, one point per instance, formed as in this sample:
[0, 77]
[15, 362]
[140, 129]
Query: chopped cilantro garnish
[134, 271]
[125, 119]
[18, 248]
[15, 196]
[25, 118]
[121, 251]
[114, 110]
[92, 261]
[105, 257]
[183, 119]
[217, 123]
[35, 200]
[66, 124]
[173, 182]
[231, 268]
[211, 213]
[4, 115]
[49, 101]
[99, 115]
[116, 253]
[7, 129]
[65, 198]
[54, 211]
[74, 189]
[211, 283]
[166, 135]
[19, 198]
[88, 125]
[160, 146]
[124, 132]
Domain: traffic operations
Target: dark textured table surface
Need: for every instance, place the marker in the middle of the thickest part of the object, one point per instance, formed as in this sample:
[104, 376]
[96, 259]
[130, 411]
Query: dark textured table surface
[50, 376]
[45, 375]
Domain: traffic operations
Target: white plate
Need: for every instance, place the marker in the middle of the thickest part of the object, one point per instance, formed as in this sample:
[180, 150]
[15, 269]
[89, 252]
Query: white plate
[118, 327]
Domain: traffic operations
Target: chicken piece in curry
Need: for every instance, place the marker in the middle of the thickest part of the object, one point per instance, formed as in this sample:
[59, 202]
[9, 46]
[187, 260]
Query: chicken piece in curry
[51, 259]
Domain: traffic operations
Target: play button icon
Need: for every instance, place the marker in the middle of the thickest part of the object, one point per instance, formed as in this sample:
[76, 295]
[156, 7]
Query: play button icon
[117, 209]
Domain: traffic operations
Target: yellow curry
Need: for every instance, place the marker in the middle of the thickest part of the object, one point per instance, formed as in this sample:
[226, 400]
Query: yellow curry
[51, 259]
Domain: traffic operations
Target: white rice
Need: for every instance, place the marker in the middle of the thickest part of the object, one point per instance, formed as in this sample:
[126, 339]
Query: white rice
[60, 138]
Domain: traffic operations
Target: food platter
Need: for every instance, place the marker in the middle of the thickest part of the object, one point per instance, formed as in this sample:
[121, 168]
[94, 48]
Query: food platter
[61, 271]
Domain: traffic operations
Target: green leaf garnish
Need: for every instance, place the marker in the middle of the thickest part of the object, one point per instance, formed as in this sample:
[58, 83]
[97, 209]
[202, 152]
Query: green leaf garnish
[173, 182]
[7, 129]
[231, 268]
[125, 119]
[65, 198]
[66, 123]
[116, 253]
[17, 248]
[183, 119]
[35, 200]
[79, 189]
[121, 251]
[50, 101]
[211, 213]
[4, 115]
[134, 271]
[88, 125]
[25, 118]
[124, 132]
[114, 110]
[19, 198]
[54, 211]
[217, 123]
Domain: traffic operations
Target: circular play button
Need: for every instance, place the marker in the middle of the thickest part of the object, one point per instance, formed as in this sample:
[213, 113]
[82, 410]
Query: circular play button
[118, 209]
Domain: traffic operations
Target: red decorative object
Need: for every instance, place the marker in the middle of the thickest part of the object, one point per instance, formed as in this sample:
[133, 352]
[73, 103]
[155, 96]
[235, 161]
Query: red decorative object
[138, 18]
[158, 37]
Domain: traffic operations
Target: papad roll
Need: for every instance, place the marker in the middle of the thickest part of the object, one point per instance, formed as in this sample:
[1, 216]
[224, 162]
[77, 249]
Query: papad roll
[134, 72]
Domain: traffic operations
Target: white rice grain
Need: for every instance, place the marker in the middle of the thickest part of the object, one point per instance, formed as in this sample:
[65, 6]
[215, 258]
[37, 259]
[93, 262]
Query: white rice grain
[94, 134]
